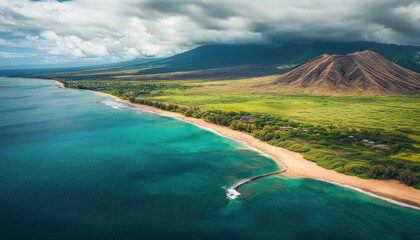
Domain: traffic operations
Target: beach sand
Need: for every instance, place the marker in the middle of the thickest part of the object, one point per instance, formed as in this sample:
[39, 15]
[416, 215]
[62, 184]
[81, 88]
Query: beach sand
[298, 167]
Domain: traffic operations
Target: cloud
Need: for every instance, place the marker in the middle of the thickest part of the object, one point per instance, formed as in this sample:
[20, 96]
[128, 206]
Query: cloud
[69, 45]
[124, 29]
[15, 55]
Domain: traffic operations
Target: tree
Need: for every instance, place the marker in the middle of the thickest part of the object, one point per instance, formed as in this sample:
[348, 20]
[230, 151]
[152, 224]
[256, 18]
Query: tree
[390, 172]
[408, 177]
[376, 171]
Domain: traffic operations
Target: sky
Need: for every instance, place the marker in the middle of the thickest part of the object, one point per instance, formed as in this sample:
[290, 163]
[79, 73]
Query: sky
[89, 32]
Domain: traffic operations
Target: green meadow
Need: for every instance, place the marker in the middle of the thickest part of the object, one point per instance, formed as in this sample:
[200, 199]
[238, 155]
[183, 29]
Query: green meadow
[402, 112]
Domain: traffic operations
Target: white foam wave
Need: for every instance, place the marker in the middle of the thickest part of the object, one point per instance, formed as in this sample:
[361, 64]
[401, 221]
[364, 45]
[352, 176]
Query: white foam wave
[207, 129]
[371, 194]
[232, 193]
[246, 145]
[115, 105]
[169, 116]
[126, 107]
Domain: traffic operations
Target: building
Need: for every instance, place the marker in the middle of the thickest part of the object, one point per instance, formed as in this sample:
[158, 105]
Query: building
[352, 139]
[380, 147]
[285, 128]
[246, 119]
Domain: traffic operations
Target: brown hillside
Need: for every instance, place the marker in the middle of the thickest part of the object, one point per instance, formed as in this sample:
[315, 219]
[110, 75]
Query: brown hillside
[365, 71]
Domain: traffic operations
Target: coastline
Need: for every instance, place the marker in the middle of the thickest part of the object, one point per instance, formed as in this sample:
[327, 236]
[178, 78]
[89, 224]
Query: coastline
[389, 190]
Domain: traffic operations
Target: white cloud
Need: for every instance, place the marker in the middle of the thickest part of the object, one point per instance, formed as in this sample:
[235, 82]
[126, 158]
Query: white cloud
[15, 55]
[412, 10]
[69, 45]
[123, 29]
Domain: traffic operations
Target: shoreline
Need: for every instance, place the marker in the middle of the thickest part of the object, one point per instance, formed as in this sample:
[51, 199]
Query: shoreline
[391, 191]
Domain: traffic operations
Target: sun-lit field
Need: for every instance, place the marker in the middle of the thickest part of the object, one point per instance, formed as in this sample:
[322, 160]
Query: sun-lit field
[397, 112]
[367, 112]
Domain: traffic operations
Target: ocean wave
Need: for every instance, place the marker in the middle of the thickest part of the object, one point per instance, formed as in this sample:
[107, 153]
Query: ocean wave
[126, 107]
[232, 193]
[371, 194]
[115, 105]
[206, 128]
[247, 146]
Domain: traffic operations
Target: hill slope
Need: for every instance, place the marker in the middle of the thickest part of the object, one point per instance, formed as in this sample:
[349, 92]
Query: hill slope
[365, 71]
[215, 56]
[292, 53]
[207, 57]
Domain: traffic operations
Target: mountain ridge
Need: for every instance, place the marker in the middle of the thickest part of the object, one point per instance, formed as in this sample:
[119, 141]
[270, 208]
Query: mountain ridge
[213, 56]
[364, 71]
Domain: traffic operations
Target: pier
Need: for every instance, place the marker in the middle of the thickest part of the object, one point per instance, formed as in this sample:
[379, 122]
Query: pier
[232, 191]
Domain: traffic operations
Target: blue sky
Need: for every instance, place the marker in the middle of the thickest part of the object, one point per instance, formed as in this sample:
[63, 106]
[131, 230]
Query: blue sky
[85, 32]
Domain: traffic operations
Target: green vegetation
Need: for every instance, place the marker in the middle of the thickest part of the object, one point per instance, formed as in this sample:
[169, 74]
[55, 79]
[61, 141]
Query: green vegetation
[350, 111]
[326, 130]
[125, 88]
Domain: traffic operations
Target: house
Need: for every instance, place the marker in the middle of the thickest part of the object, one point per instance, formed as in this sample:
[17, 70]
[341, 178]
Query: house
[246, 119]
[366, 142]
[285, 128]
[130, 93]
[201, 111]
[380, 147]
[352, 139]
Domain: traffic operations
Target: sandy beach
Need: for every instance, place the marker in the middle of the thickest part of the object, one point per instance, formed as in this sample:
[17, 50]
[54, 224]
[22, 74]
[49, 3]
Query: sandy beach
[389, 190]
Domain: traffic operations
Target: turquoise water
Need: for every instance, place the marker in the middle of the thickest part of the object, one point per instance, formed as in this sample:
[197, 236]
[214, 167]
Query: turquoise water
[79, 165]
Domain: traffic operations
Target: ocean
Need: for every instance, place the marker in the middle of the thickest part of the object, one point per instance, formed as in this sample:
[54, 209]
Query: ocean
[80, 165]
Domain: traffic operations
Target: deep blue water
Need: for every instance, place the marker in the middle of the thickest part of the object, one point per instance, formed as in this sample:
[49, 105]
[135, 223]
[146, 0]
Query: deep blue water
[79, 165]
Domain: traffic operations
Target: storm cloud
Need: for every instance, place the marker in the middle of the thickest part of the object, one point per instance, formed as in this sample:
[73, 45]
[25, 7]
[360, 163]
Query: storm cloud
[122, 29]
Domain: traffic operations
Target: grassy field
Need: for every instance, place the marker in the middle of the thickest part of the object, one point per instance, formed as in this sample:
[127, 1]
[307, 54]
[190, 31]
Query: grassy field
[401, 112]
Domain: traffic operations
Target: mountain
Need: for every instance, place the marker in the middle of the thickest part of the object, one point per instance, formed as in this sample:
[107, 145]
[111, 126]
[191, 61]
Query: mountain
[215, 56]
[291, 53]
[207, 57]
[365, 71]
